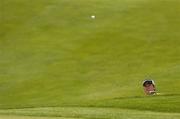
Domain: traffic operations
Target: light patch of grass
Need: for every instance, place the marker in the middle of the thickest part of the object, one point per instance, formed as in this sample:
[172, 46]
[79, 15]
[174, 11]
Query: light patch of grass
[90, 113]
[29, 117]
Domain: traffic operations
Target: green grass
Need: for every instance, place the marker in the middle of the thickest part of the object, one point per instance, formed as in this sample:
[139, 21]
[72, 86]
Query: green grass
[88, 113]
[30, 117]
[52, 54]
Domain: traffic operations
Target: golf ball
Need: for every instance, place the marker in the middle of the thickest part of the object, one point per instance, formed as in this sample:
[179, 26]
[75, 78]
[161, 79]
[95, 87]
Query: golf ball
[93, 16]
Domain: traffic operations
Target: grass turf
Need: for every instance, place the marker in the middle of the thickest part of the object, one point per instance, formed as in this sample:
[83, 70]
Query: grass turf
[87, 113]
[53, 54]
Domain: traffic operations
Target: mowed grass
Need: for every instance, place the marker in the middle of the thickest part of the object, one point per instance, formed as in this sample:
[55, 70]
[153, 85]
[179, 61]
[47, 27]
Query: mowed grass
[85, 113]
[53, 54]
[30, 117]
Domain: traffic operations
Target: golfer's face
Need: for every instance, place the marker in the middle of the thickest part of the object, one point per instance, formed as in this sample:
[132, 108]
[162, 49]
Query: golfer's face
[149, 87]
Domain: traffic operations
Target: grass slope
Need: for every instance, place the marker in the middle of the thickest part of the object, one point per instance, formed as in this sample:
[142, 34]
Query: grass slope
[53, 54]
[88, 113]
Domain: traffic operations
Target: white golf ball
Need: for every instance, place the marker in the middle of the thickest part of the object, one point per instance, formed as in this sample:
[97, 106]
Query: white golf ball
[93, 16]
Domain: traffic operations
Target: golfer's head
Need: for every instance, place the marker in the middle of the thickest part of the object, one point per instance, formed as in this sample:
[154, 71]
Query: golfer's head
[147, 83]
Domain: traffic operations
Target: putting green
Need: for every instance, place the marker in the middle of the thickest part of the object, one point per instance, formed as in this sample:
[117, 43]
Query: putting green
[53, 54]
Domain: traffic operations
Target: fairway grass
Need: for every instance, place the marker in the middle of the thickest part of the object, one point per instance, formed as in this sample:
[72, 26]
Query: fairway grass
[53, 54]
[30, 117]
[85, 113]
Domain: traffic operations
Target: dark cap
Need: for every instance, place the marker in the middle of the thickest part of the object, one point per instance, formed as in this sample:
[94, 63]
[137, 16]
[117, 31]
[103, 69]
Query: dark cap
[148, 82]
